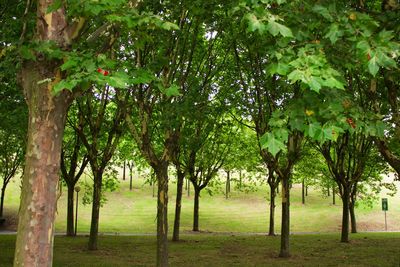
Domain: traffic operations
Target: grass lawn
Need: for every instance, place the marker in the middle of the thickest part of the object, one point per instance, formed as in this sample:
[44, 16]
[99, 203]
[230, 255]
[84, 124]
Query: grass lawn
[365, 249]
[135, 211]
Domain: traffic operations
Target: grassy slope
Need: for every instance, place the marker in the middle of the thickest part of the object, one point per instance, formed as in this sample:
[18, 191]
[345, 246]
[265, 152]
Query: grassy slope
[370, 249]
[135, 211]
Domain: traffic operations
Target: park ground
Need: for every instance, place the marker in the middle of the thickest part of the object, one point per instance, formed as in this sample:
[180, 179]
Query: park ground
[232, 230]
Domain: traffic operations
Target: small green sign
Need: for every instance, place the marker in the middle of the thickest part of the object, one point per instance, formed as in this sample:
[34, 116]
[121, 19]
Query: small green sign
[385, 204]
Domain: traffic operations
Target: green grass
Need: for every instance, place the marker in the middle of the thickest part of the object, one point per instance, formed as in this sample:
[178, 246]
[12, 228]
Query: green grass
[372, 249]
[135, 211]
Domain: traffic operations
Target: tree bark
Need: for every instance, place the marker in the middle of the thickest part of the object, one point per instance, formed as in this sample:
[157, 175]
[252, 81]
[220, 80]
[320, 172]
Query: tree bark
[196, 209]
[345, 216]
[333, 196]
[94, 225]
[353, 217]
[271, 231]
[303, 197]
[285, 231]
[47, 114]
[306, 186]
[178, 205]
[3, 192]
[328, 191]
[70, 211]
[124, 171]
[130, 180]
[162, 215]
[228, 184]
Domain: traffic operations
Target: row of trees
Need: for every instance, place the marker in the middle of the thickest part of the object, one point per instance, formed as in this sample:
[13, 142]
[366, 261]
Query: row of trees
[182, 80]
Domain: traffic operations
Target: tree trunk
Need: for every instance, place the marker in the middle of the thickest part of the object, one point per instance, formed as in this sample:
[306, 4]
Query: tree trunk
[124, 171]
[353, 217]
[162, 215]
[333, 195]
[271, 231]
[188, 188]
[178, 204]
[303, 197]
[70, 211]
[196, 209]
[240, 179]
[130, 180]
[94, 226]
[285, 231]
[3, 192]
[47, 114]
[153, 184]
[306, 191]
[345, 216]
[228, 184]
[328, 190]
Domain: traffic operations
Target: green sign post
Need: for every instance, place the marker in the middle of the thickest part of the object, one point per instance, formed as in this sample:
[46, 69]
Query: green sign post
[385, 207]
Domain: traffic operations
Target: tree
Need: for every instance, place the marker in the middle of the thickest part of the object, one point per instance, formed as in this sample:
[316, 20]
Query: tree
[73, 163]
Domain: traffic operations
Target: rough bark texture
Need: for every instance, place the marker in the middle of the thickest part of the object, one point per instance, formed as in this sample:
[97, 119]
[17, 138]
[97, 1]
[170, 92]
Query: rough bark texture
[285, 230]
[162, 216]
[178, 205]
[47, 114]
[196, 209]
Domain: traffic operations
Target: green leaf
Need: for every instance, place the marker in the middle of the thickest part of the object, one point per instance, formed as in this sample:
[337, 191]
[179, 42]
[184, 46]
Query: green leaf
[118, 80]
[314, 84]
[69, 64]
[55, 6]
[254, 23]
[334, 33]
[275, 28]
[273, 145]
[142, 77]
[380, 128]
[27, 53]
[323, 11]
[173, 90]
[373, 66]
[64, 84]
[314, 130]
[363, 46]
[169, 26]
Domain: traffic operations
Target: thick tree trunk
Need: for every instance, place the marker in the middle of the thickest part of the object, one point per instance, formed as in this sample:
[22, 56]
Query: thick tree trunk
[345, 216]
[70, 211]
[3, 192]
[353, 217]
[303, 197]
[47, 114]
[285, 231]
[271, 231]
[162, 216]
[178, 204]
[94, 225]
[196, 209]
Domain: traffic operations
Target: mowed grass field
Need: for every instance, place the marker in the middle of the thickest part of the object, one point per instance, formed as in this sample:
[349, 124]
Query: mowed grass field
[135, 211]
[365, 249]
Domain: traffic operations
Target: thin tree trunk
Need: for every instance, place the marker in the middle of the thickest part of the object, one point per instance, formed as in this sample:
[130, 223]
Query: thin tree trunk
[345, 216]
[328, 190]
[196, 209]
[130, 179]
[285, 231]
[306, 190]
[3, 192]
[228, 184]
[240, 179]
[353, 217]
[271, 231]
[333, 195]
[178, 204]
[303, 197]
[94, 226]
[70, 211]
[47, 114]
[153, 184]
[124, 171]
[188, 189]
[162, 216]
